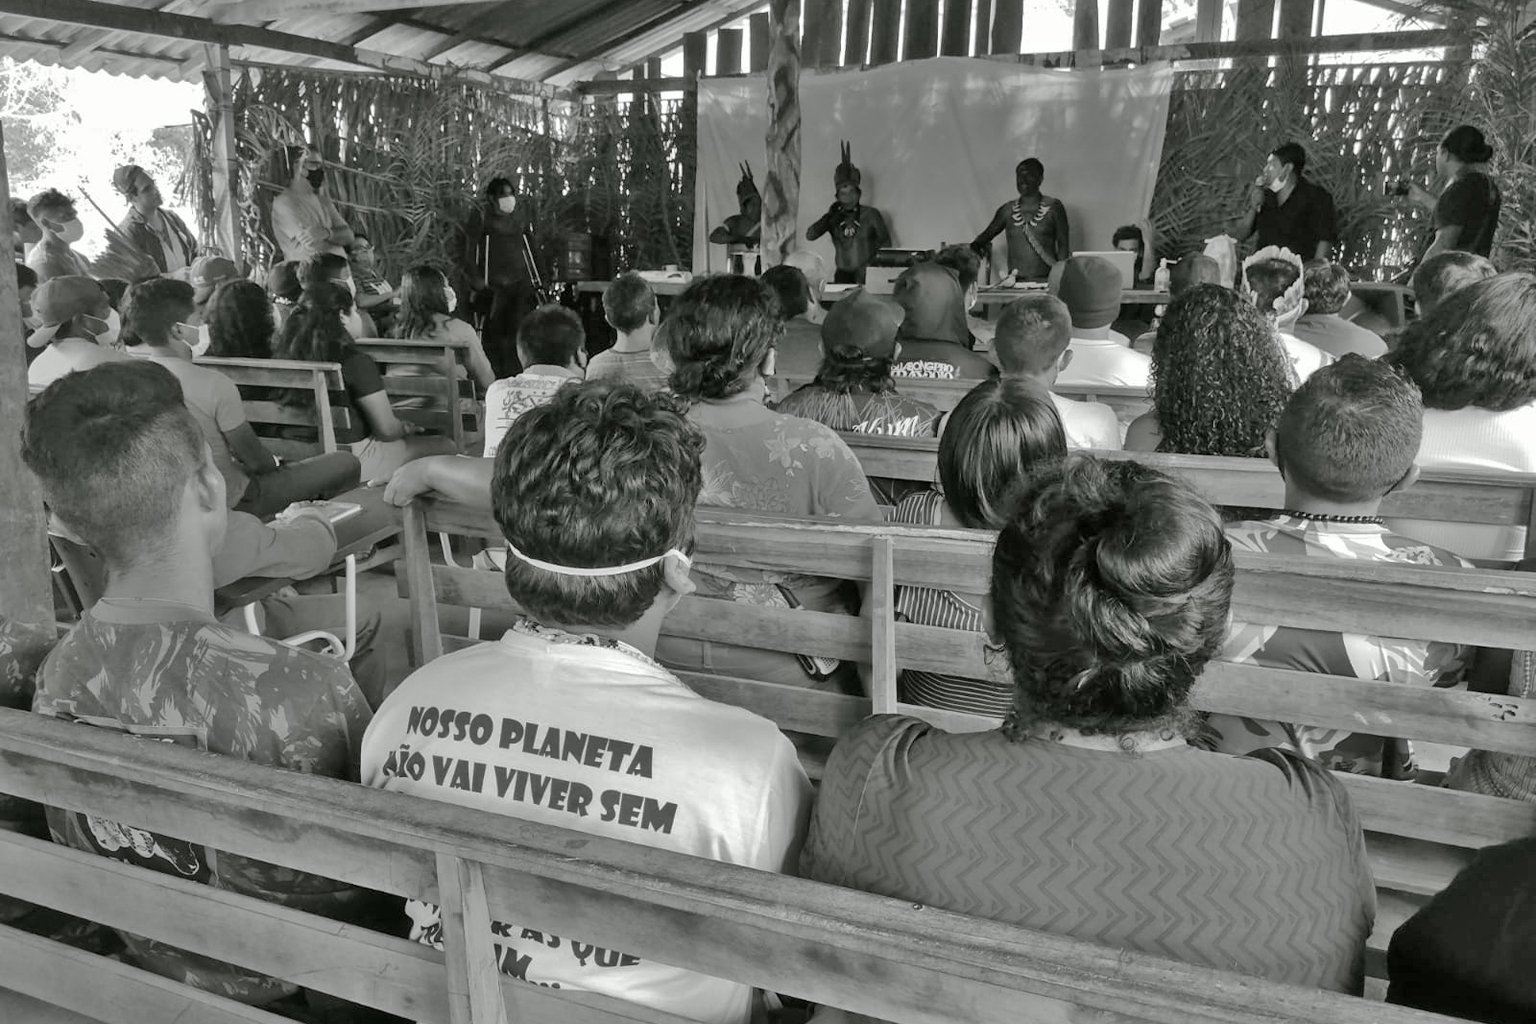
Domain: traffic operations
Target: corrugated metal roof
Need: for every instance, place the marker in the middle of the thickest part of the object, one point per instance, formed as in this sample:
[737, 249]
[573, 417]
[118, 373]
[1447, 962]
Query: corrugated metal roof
[558, 41]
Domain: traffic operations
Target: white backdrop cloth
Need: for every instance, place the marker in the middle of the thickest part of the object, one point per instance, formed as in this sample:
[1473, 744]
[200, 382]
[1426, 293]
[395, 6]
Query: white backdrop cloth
[937, 141]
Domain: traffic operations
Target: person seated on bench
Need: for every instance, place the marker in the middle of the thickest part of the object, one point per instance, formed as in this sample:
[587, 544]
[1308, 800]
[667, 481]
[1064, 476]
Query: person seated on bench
[1326, 288]
[255, 481]
[998, 435]
[123, 463]
[1272, 281]
[963, 262]
[76, 330]
[284, 289]
[1219, 381]
[240, 321]
[1196, 268]
[799, 352]
[1031, 343]
[1467, 953]
[1474, 359]
[595, 492]
[315, 333]
[1086, 814]
[1092, 288]
[1346, 440]
[552, 349]
[426, 307]
[332, 268]
[720, 335]
[1443, 274]
[853, 391]
[630, 308]
[935, 339]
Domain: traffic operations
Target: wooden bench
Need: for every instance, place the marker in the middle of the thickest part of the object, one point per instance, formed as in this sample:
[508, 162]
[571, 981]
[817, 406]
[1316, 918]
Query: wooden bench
[1417, 836]
[272, 419]
[1439, 495]
[435, 376]
[944, 395]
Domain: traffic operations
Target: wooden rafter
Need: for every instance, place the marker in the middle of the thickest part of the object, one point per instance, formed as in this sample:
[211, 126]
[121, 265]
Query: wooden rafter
[257, 11]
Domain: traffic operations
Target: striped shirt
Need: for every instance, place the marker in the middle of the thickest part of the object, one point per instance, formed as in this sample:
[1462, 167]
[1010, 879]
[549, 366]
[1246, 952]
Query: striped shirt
[927, 607]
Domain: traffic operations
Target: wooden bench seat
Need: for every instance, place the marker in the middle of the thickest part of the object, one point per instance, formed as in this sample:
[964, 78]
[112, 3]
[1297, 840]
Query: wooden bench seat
[430, 382]
[1439, 495]
[944, 395]
[255, 379]
[1417, 836]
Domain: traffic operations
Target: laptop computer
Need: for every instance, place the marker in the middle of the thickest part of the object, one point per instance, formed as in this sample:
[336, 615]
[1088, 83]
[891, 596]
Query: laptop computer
[1124, 261]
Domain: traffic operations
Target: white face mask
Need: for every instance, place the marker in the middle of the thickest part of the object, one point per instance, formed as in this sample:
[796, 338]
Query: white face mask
[204, 342]
[506, 204]
[451, 297]
[1277, 182]
[187, 334]
[110, 328]
[72, 231]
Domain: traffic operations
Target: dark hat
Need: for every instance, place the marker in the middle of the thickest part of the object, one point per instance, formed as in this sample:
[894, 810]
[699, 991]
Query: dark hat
[59, 300]
[122, 179]
[846, 173]
[862, 321]
[208, 272]
[1091, 288]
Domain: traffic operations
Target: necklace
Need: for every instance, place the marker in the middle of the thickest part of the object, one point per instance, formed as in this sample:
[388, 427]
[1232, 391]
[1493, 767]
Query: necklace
[1323, 517]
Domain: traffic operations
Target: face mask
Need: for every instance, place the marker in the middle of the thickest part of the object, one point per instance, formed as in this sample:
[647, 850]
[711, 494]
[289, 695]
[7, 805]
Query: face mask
[506, 204]
[187, 334]
[103, 331]
[203, 344]
[72, 231]
[611, 570]
[114, 324]
[1277, 182]
[316, 177]
[452, 299]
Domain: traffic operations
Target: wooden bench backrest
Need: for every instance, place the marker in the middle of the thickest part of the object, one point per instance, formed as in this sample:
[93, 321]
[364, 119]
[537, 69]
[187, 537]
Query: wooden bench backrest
[888, 958]
[944, 395]
[436, 370]
[1447, 496]
[1418, 836]
[331, 411]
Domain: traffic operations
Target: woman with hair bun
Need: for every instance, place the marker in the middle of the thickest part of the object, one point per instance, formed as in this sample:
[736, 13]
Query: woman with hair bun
[1467, 212]
[1086, 815]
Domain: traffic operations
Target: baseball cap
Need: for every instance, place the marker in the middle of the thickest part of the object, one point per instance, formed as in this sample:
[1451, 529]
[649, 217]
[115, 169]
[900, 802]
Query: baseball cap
[862, 321]
[59, 300]
[123, 178]
[208, 272]
[1091, 287]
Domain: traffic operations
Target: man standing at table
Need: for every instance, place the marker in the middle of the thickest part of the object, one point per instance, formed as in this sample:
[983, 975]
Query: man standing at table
[304, 219]
[858, 232]
[1038, 234]
[1287, 210]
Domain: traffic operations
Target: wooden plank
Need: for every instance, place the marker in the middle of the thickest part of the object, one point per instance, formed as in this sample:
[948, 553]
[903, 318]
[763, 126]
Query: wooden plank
[1208, 22]
[474, 989]
[1085, 25]
[1149, 22]
[922, 30]
[255, 11]
[1255, 19]
[695, 53]
[26, 593]
[781, 186]
[983, 41]
[757, 40]
[882, 601]
[885, 32]
[218, 104]
[793, 708]
[426, 632]
[1296, 19]
[955, 40]
[1007, 27]
[856, 49]
[877, 956]
[821, 39]
[728, 51]
[1117, 24]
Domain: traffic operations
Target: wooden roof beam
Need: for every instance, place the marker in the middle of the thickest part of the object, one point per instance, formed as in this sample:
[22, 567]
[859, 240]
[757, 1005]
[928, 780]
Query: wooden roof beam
[88, 42]
[261, 11]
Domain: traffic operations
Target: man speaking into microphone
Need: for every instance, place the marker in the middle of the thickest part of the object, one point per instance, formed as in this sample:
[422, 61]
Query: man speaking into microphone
[1287, 210]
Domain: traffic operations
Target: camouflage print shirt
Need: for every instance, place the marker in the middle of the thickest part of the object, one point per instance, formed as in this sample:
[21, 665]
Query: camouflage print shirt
[171, 674]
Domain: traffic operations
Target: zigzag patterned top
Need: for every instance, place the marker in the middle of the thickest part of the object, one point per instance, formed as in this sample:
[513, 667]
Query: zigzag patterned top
[1252, 864]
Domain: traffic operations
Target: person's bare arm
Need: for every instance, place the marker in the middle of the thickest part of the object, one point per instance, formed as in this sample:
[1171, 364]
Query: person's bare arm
[248, 450]
[1063, 232]
[983, 242]
[379, 415]
[457, 478]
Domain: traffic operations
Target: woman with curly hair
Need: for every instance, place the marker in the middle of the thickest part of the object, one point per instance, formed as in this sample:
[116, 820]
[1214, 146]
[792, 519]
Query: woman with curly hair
[316, 331]
[719, 337]
[1474, 360]
[427, 303]
[1219, 381]
[240, 322]
[1110, 589]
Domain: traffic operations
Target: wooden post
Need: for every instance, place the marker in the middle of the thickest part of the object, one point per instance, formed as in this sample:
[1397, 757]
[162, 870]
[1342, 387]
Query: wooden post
[218, 101]
[1085, 25]
[728, 52]
[922, 29]
[1008, 26]
[956, 39]
[1117, 26]
[1295, 19]
[695, 53]
[983, 27]
[822, 39]
[1149, 23]
[1255, 19]
[25, 592]
[857, 50]
[781, 191]
[1208, 21]
[757, 43]
[885, 32]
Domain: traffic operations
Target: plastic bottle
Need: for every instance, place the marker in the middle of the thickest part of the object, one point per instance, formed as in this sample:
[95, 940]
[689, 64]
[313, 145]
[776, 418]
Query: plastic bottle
[1161, 279]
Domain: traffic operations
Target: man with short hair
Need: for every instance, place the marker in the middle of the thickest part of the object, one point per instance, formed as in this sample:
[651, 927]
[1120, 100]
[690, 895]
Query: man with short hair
[304, 220]
[1326, 288]
[552, 347]
[582, 728]
[1035, 226]
[1091, 288]
[54, 214]
[75, 330]
[1445, 273]
[1033, 335]
[157, 232]
[124, 466]
[1347, 438]
[1287, 210]
[630, 308]
[799, 353]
